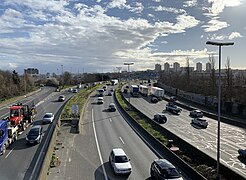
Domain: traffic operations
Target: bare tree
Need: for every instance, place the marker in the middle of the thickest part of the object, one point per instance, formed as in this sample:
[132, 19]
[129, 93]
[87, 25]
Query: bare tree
[213, 78]
[228, 89]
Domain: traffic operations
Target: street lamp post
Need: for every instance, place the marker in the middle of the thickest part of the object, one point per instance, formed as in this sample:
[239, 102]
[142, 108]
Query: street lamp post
[220, 44]
[128, 64]
[119, 71]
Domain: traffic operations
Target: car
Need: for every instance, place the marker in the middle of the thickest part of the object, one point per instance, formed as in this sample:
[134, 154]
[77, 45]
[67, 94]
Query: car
[154, 100]
[70, 89]
[200, 122]
[125, 90]
[34, 136]
[160, 117]
[127, 86]
[100, 100]
[112, 107]
[163, 169]
[242, 153]
[109, 93]
[75, 90]
[48, 118]
[119, 162]
[172, 107]
[196, 113]
[112, 90]
[61, 98]
[173, 99]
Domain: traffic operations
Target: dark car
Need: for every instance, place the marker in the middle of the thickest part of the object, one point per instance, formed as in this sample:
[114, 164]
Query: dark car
[34, 136]
[109, 93]
[125, 91]
[111, 107]
[160, 117]
[163, 169]
[154, 100]
[61, 98]
[242, 153]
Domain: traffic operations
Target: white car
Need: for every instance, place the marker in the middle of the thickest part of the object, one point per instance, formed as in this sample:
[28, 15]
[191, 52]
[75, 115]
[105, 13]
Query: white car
[119, 162]
[196, 113]
[200, 122]
[48, 118]
[100, 100]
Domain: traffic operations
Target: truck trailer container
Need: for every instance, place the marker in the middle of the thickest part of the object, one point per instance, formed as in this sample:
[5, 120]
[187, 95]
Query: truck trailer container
[134, 90]
[144, 90]
[157, 92]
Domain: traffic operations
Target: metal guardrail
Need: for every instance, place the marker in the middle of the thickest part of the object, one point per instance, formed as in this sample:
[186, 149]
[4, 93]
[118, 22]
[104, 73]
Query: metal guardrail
[34, 175]
[195, 152]
[156, 144]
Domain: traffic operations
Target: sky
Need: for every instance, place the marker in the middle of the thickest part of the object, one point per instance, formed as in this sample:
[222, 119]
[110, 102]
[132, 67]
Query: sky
[99, 36]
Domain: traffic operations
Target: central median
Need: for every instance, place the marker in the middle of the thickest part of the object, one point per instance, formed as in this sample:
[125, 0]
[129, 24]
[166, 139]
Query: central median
[190, 160]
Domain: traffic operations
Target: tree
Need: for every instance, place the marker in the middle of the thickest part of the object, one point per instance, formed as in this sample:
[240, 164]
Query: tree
[228, 90]
[213, 78]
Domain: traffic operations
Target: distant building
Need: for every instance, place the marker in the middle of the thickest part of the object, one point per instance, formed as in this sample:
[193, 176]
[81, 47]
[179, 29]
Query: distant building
[166, 67]
[185, 69]
[176, 67]
[199, 67]
[157, 67]
[208, 67]
[31, 71]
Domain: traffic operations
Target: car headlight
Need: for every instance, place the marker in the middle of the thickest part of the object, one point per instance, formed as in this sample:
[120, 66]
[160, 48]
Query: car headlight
[37, 138]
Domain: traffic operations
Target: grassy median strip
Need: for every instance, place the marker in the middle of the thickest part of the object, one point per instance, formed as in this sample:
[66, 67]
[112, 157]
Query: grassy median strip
[206, 171]
[78, 99]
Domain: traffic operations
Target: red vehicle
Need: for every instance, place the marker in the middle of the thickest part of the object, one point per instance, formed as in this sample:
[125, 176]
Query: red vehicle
[21, 115]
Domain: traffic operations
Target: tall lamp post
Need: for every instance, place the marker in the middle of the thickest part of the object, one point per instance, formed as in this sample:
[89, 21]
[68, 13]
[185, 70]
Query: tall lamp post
[119, 69]
[220, 44]
[129, 64]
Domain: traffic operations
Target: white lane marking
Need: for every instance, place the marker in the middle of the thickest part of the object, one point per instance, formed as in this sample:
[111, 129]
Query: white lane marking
[98, 149]
[121, 140]
[110, 119]
[9, 153]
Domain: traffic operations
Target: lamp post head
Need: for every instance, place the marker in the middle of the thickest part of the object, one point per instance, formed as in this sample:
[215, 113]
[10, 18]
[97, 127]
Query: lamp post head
[220, 43]
[129, 63]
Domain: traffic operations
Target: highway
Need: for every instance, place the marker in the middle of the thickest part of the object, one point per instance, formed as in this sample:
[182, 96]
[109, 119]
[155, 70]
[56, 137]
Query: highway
[232, 137]
[86, 155]
[19, 159]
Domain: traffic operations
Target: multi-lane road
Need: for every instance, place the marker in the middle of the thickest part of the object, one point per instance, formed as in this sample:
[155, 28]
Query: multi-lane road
[86, 155]
[232, 137]
[18, 161]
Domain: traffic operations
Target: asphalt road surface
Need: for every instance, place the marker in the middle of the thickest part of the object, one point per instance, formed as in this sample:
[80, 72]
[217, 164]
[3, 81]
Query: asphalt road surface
[17, 162]
[85, 155]
[232, 137]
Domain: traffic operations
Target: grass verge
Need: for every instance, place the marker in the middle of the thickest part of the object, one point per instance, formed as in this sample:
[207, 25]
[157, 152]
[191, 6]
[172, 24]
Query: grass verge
[206, 171]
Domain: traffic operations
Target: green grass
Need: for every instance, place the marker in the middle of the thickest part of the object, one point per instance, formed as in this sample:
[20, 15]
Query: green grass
[78, 99]
[206, 171]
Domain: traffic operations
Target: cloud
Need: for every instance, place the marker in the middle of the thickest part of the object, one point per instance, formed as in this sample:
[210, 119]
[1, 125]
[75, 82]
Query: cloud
[219, 5]
[234, 35]
[168, 9]
[215, 25]
[118, 4]
[138, 8]
[190, 3]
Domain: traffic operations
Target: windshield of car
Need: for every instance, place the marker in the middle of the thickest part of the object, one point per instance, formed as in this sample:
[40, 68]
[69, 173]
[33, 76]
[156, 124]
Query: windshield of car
[121, 159]
[34, 131]
[170, 173]
[47, 116]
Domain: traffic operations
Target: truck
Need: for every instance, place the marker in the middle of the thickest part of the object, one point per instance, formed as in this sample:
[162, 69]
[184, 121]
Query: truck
[134, 90]
[144, 90]
[172, 107]
[114, 82]
[20, 117]
[157, 92]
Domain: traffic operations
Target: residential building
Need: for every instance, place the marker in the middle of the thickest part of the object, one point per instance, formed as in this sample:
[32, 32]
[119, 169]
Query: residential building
[208, 67]
[166, 67]
[199, 67]
[157, 67]
[176, 67]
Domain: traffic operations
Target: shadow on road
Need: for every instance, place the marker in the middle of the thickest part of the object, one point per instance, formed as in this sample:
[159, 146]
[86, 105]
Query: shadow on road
[99, 174]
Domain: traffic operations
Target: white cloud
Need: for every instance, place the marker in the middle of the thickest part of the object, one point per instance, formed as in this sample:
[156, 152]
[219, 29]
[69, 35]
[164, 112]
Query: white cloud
[117, 4]
[186, 21]
[215, 25]
[190, 3]
[138, 8]
[234, 35]
[168, 9]
[219, 5]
